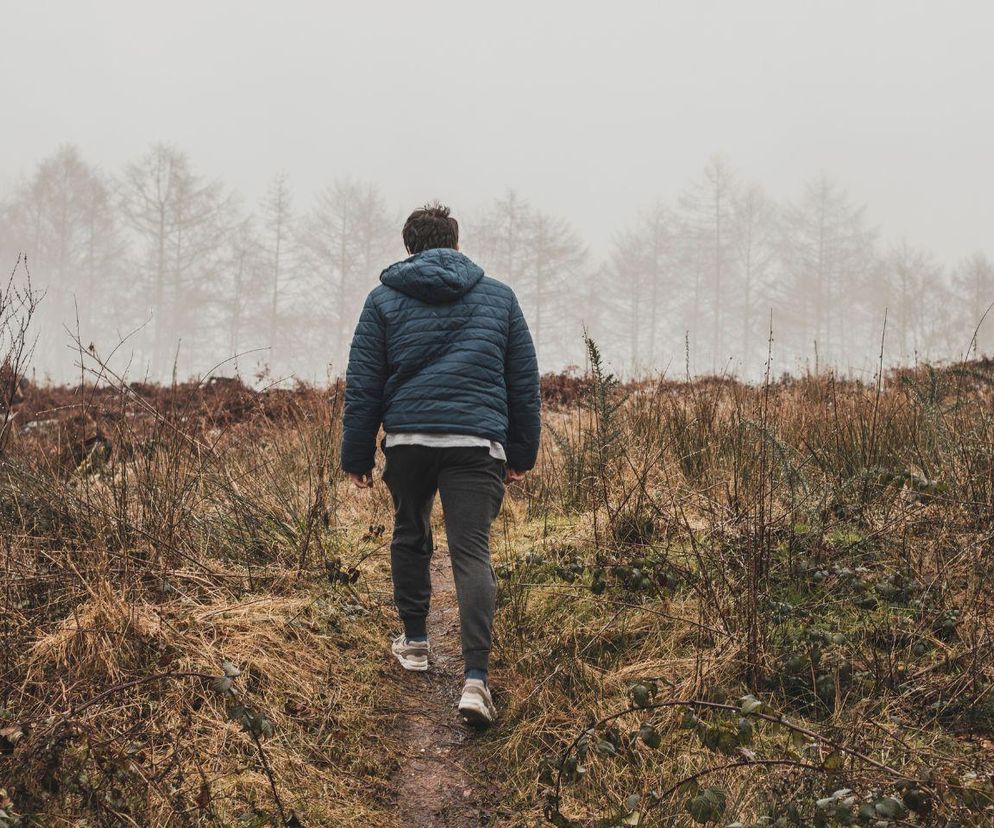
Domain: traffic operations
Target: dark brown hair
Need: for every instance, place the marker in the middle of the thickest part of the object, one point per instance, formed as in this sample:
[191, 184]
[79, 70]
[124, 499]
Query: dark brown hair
[429, 227]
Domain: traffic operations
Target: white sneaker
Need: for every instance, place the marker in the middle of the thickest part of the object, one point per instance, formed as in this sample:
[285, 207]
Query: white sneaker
[412, 655]
[476, 705]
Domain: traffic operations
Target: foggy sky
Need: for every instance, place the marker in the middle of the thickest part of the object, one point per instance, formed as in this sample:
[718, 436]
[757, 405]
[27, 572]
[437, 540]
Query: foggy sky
[589, 110]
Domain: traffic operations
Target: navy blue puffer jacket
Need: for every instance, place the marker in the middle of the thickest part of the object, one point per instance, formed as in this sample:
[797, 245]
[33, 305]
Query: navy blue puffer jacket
[441, 348]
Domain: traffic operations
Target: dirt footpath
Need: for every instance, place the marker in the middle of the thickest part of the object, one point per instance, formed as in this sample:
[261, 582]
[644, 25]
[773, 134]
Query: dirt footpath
[441, 781]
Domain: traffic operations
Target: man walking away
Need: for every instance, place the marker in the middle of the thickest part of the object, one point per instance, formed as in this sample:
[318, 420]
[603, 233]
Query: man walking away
[443, 359]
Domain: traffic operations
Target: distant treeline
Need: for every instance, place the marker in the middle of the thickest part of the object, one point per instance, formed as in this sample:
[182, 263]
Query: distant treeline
[180, 269]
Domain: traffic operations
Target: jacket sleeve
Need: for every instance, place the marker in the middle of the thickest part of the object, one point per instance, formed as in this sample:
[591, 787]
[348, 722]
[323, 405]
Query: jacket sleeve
[364, 381]
[523, 395]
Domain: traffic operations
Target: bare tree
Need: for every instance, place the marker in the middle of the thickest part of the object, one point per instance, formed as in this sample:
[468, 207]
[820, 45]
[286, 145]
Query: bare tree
[626, 272]
[556, 259]
[499, 238]
[642, 264]
[907, 275]
[62, 217]
[180, 221]
[754, 232]
[974, 281]
[277, 214]
[937, 334]
[707, 213]
[828, 253]
[542, 258]
[249, 264]
[345, 241]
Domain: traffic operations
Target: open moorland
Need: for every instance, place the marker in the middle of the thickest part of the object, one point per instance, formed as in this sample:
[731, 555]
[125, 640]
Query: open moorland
[719, 604]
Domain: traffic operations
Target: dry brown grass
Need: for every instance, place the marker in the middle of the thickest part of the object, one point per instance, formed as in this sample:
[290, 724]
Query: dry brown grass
[802, 480]
[127, 581]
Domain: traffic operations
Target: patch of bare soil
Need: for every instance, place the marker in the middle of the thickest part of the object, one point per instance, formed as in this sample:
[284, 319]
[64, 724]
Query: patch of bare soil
[442, 781]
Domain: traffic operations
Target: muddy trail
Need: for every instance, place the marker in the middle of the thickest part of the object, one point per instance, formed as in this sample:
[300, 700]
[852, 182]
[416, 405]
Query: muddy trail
[442, 780]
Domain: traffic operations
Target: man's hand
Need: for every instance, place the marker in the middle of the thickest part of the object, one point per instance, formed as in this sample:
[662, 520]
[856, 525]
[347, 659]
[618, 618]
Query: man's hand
[362, 481]
[513, 475]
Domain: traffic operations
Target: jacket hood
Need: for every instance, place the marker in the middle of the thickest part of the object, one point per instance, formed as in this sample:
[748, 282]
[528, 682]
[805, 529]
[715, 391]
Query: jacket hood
[437, 275]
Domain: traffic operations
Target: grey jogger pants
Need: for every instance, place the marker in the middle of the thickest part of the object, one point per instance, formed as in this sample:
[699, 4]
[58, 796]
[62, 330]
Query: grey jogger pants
[471, 485]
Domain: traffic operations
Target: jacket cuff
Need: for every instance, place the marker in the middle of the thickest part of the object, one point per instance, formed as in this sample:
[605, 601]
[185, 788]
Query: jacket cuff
[354, 468]
[520, 457]
[356, 460]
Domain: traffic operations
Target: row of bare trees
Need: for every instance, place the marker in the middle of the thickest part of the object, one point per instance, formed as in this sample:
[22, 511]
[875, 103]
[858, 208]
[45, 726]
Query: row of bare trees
[172, 265]
[724, 261]
[176, 272]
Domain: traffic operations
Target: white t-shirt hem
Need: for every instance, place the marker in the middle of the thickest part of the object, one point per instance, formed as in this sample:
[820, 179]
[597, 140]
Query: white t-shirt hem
[445, 441]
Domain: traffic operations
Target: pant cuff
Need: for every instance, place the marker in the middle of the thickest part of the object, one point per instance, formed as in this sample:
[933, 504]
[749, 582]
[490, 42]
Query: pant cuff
[476, 660]
[415, 627]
